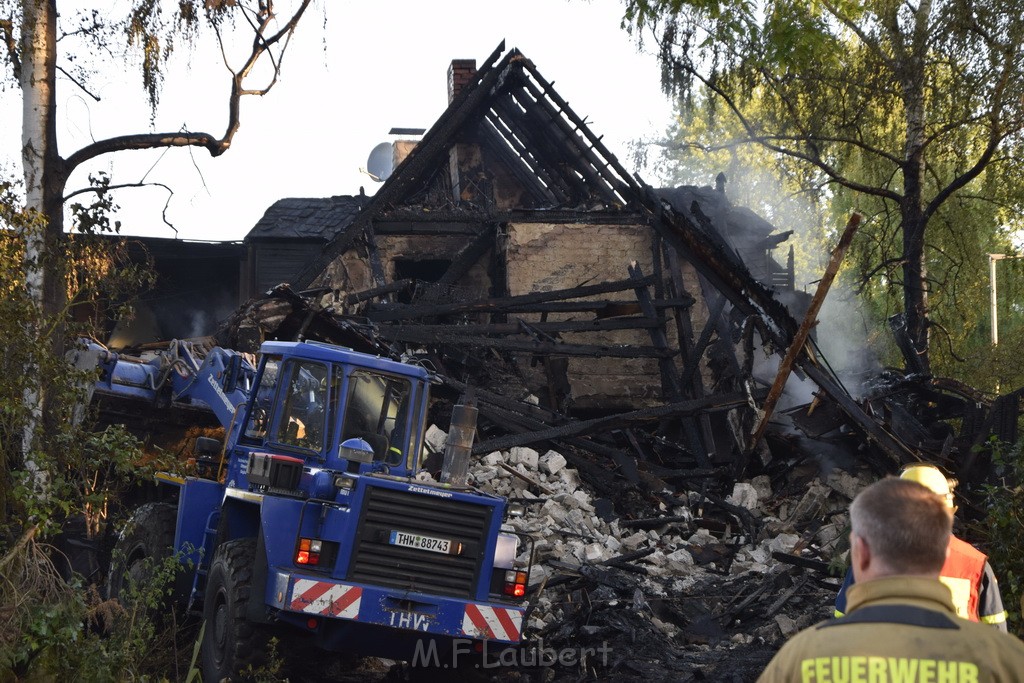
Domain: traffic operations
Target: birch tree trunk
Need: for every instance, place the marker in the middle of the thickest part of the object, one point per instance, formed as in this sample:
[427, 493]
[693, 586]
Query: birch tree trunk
[44, 183]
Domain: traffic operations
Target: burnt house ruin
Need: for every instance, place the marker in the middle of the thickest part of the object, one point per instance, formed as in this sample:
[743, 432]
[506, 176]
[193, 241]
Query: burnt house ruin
[512, 250]
[513, 253]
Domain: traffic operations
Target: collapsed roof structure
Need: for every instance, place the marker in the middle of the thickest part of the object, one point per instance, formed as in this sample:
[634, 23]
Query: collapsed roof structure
[510, 250]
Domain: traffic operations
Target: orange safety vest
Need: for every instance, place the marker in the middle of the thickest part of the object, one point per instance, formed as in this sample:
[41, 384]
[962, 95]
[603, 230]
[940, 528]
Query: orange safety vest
[962, 574]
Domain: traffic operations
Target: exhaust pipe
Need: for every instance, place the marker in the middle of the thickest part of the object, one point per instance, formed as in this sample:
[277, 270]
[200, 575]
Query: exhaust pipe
[455, 468]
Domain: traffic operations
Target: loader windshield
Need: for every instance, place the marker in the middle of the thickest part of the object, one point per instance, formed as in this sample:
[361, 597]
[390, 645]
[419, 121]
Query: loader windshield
[302, 418]
[377, 411]
[263, 403]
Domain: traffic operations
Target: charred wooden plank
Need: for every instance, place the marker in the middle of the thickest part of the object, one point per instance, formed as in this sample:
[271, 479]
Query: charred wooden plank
[896, 451]
[705, 338]
[669, 376]
[709, 257]
[393, 331]
[373, 254]
[703, 441]
[524, 346]
[805, 562]
[413, 169]
[601, 309]
[578, 428]
[803, 332]
[541, 416]
[505, 303]
[430, 229]
[373, 293]
[468, 255]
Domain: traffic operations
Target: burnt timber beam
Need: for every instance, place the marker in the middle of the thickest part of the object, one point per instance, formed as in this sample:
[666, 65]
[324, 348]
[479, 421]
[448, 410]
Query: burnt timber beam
[800, 338]
[494, 304]
[559, 139]
[571, 187]
[726, 274]
[468, 255]
[600, 325]
[463, 217]
[691, 359]
[705, 338]
[717, 403]
[623, 180]
[373, 255]
[535, 347]
[540, 415]
[373, 293]
[427, 228]
[601, 477]
[669, 377]
[894, 449]
[386, 312]
[524, 162]
[506, 148]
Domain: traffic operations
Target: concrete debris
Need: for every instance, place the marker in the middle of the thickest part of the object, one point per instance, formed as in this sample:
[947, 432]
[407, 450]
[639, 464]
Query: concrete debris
[683, 595]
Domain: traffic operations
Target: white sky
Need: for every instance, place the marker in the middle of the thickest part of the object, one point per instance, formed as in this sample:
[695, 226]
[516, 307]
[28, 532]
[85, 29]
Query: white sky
[356, 70]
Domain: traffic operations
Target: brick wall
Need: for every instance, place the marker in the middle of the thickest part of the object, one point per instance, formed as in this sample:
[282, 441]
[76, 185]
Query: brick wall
[544, 257]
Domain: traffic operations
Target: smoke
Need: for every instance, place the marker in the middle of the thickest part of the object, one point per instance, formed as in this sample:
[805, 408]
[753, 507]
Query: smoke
[842, 337]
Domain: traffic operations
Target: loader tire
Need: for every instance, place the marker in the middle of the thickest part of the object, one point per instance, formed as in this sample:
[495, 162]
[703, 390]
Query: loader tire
[145, 541]
[233, 647]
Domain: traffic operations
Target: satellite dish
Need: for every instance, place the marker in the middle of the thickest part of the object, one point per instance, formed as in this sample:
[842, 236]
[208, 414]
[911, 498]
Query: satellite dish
[381, 162]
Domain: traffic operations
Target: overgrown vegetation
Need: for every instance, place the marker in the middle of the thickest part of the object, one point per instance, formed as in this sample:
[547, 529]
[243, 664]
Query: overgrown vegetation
[1003, 523]
[54, 624]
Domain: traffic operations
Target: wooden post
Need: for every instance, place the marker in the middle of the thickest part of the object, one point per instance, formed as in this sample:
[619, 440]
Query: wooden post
[800, 338]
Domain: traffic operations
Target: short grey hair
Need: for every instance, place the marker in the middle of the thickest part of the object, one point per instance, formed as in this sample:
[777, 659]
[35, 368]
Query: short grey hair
[906, 525]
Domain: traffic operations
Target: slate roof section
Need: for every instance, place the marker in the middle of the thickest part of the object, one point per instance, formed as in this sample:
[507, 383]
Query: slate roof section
[307, 218]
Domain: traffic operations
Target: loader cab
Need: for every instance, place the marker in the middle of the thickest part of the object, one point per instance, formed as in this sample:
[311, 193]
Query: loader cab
[310, 398]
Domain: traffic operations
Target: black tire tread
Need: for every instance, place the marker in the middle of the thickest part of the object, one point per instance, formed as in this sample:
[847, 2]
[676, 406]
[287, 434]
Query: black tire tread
[150, 530]
[235, 560]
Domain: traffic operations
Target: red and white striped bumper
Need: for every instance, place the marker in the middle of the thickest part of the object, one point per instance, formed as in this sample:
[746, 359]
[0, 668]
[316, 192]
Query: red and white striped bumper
[374, 605]
[492, 623]
[326, 598]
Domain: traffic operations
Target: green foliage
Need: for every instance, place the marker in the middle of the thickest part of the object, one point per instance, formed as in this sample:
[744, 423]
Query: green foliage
[56, 629]
[1003, 523]
[82, 468]
[65, 631]
[909, 114]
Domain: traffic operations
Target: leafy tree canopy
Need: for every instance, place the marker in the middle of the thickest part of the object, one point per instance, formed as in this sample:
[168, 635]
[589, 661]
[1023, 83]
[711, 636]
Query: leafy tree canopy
[898, 106]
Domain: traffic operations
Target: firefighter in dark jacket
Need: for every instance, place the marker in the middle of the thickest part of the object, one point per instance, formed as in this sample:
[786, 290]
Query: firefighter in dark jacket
[901, 624]
[967, 573]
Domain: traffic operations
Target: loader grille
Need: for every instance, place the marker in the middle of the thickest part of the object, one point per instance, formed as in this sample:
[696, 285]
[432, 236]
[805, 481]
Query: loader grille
[380, 562]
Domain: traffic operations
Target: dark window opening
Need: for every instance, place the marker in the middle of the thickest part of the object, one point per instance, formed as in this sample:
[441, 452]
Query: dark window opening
[423, 270]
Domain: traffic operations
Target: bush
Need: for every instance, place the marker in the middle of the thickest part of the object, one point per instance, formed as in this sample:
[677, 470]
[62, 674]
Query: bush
[1005, 519]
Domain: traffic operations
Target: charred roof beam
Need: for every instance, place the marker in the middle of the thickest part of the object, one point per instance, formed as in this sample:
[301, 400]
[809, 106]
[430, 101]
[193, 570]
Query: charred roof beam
[571, 186]
[532, 174]
[585, 159]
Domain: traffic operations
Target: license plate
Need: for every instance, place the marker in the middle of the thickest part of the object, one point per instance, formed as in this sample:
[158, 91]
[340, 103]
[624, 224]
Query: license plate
[434, 545]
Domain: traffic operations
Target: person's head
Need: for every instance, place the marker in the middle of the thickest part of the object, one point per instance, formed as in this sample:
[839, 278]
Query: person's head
[898, 527]
[933, 478]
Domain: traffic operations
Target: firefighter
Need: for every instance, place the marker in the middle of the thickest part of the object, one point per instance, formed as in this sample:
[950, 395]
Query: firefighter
[901, 623]
[967, 573]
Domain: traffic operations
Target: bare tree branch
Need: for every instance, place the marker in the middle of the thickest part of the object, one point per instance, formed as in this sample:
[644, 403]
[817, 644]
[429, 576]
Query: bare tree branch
[213, 144]
[78, 83]
[119, 186]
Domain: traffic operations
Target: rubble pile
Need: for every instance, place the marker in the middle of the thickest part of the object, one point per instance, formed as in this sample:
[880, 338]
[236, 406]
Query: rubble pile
[685, 593]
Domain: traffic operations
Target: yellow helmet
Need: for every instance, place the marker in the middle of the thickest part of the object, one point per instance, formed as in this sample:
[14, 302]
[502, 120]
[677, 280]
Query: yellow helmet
[931, 477]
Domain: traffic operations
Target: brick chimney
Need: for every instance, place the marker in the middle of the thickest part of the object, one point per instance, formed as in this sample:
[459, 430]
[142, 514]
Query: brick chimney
[460, 73]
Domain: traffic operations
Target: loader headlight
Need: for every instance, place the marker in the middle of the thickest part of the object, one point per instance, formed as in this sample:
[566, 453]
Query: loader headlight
[505, 551]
